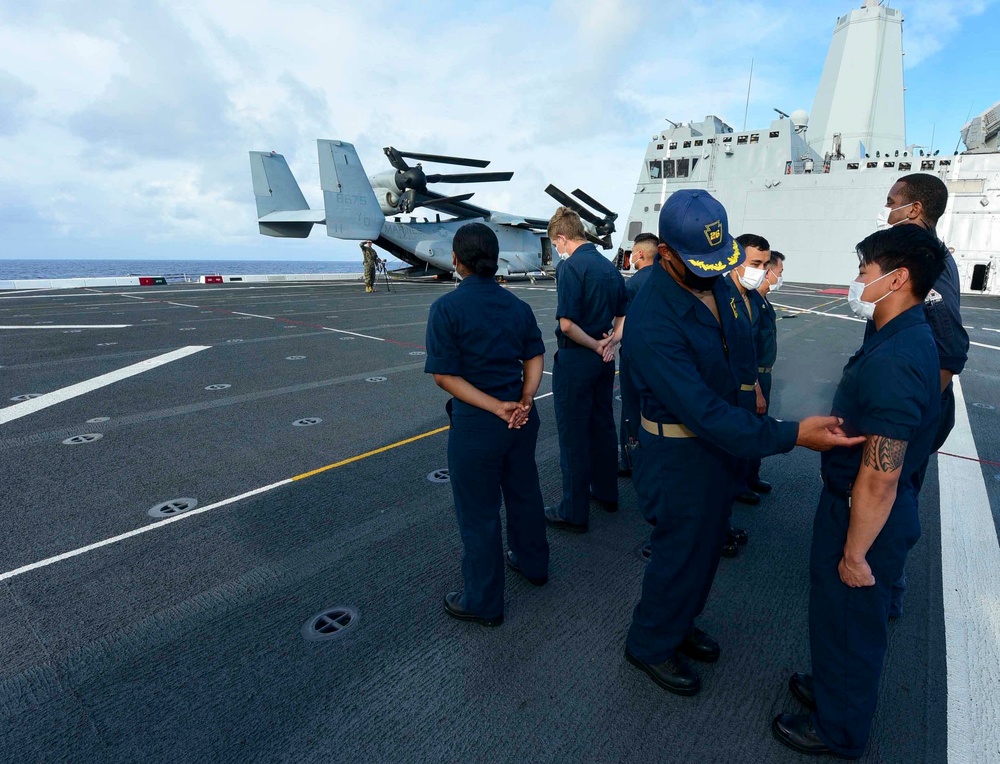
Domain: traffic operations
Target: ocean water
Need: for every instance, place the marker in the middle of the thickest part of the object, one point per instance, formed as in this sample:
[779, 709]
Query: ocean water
[175, 270]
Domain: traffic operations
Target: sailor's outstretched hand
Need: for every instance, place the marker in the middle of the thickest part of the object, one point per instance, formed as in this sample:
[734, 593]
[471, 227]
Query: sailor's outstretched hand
[821, 433]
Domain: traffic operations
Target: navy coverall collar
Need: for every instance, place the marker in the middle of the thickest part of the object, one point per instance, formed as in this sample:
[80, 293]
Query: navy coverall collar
[681, 301]
[587, 247]
[480, 280]
[906, 319]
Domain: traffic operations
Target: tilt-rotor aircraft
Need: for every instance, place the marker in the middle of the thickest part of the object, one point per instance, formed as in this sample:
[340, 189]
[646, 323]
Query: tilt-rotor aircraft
[379, 207]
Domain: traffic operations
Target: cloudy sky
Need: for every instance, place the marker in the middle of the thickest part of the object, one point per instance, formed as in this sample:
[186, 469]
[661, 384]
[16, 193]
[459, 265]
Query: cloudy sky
[127, 124]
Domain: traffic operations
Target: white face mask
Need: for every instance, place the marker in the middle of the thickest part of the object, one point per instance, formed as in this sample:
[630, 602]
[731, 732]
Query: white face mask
[752, 277]
[882, 221]
[860, 307]
[562, 255]
[776, 285]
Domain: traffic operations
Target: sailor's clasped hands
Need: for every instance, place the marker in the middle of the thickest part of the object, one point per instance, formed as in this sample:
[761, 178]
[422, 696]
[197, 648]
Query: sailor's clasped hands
[514, 413]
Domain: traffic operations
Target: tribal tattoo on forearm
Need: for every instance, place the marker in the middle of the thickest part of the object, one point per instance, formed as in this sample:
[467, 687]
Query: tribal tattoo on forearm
[884, 454]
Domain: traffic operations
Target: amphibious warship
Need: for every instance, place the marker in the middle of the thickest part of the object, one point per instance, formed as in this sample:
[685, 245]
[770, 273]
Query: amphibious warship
[813, 183]
[227, 528]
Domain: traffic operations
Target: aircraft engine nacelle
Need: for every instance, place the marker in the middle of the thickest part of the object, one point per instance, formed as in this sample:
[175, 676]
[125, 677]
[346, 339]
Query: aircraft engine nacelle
[387, 200]
[386, 191]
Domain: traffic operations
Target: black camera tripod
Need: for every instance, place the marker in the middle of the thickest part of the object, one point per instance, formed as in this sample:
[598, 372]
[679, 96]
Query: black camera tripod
[380, 268]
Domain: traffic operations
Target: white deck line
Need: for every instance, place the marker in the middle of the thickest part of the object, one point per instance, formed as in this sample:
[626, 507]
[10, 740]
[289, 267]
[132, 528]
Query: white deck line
[237, 313]
[354, 334]
[18, 410]
[817, 312]
[152, 526]
[230, 286]
[970, 575]
[983, 345]
[144, 529]
[71, 326]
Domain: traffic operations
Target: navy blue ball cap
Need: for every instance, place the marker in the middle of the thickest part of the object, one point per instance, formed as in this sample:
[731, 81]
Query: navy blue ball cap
[695, 225]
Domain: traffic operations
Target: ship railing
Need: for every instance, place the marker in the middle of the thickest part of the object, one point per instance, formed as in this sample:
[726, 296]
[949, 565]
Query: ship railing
[177, 278]
[806, 167]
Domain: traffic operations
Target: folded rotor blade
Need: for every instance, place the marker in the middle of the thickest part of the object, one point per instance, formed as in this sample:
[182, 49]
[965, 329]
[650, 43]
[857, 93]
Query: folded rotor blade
[573, 204]
[464, 161]
[439, 200]
[588, 199]
[560, 197]
[470, 177]
[396, 159]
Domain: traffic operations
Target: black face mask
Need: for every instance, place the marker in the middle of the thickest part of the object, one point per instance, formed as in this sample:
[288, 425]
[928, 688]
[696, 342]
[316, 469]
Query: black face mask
[693, 280]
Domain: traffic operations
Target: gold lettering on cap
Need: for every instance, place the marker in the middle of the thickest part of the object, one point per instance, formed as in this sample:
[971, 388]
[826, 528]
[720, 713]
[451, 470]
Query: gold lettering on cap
[713, 232]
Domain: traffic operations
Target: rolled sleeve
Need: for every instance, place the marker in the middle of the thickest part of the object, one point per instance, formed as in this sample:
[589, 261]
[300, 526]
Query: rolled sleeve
[949, 335]
[443, 356]
[622, 297]
[533, 344]
[569, 294]
[892, 398]
[945, 318]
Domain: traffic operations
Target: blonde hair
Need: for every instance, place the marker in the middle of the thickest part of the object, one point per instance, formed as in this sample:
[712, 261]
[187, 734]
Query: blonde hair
[566, 222]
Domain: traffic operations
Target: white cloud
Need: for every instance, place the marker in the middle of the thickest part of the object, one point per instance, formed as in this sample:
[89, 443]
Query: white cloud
[14, 97]
[132, 122]
[932, 24]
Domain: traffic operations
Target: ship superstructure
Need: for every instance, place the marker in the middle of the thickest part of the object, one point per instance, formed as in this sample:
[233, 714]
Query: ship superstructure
[814, 186]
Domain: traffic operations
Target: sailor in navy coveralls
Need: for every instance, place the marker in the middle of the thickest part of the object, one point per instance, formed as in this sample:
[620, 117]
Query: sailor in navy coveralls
[687, 347]
[643, 252]
[484, 347]
[767, 350]
[744, 281]
[591, 302]
[920, 199]
[867, 521]
[748, 281]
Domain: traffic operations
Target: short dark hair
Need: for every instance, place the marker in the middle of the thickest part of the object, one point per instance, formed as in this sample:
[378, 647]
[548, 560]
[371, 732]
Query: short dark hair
[650, 237]
[927, 189]
[753, 240]
[776, 257]
[476, 247]
[906, 246]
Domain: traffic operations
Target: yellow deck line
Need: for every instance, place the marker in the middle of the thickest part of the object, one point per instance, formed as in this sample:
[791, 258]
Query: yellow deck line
[365, 455]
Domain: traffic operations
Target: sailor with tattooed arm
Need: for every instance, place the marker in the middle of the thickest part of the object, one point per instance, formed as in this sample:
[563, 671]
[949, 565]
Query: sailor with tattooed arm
[866, 521]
